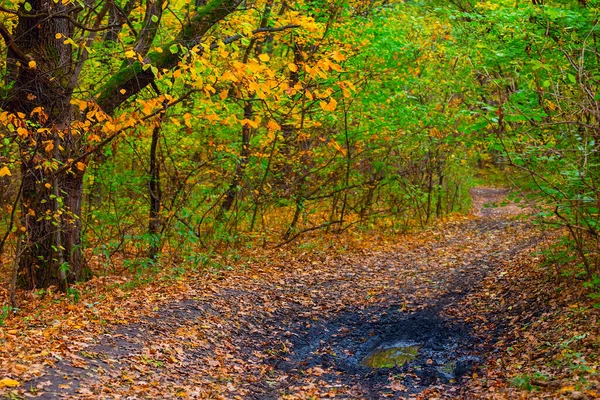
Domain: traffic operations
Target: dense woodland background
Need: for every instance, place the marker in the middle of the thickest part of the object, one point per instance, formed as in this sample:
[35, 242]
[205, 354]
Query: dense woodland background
[142, 135]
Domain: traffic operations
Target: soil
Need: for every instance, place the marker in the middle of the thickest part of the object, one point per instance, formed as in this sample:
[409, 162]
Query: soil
[303, 331]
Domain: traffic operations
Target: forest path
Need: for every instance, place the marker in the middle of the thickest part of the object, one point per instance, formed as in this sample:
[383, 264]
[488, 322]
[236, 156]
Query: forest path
[294, 329]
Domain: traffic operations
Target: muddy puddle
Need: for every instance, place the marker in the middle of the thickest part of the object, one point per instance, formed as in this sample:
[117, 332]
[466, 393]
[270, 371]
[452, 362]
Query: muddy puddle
[391, 355]
[367, 346]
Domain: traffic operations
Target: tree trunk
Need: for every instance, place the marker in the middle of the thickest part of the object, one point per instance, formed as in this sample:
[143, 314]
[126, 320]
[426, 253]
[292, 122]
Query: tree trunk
[155, 194]
[51, 210]
[240, 169]
[39, 69]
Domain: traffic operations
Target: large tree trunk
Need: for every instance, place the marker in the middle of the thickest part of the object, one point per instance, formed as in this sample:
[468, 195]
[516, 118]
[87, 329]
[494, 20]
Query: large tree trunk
[39, 67]
[52, 250]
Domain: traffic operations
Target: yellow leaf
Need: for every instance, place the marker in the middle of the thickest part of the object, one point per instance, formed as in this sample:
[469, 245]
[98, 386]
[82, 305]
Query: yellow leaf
[48, 185]
[331, 106]
[4, 171]
[80, 166]
[324, 94]
[337, 146]
[212, 117]
[37, 110]
[253, 66]
[223, 94]
[109, 127]
[568, 388]
[337, 56]
[32, 64]
[336, 67]
[228, 76]
[122, 91]
[58, 36]
[22, 132]
[49, 147]
[7, 382]
[273, 126]
[186, 119]
[249, 122]
[264, 57]
[130, 54]
[293, 67]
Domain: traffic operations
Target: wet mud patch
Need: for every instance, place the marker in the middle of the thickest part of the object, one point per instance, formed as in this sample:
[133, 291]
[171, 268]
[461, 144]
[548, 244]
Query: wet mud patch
[415, 350]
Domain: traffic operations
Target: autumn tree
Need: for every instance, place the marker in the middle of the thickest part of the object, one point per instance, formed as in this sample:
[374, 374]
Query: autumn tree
[49, 47]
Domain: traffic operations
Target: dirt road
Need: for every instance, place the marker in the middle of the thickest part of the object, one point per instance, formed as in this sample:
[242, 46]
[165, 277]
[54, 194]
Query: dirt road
[302, 328]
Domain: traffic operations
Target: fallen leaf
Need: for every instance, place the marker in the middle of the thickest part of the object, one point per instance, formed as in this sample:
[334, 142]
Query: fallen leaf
[7, 382]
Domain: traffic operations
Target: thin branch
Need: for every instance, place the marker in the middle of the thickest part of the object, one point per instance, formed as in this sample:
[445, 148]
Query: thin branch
[233, 38]
[12, 216]
[8, 39]
[151, 23]
[312, 228]
[125, 15]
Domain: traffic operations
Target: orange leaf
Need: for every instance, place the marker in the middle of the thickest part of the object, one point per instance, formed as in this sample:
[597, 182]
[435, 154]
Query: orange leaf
[331, 106]
[4, 171]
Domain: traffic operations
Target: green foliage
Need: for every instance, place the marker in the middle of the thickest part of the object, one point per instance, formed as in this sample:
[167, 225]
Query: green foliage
[5, 312]
[525, 381]
[536, 75]
[594, 285]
